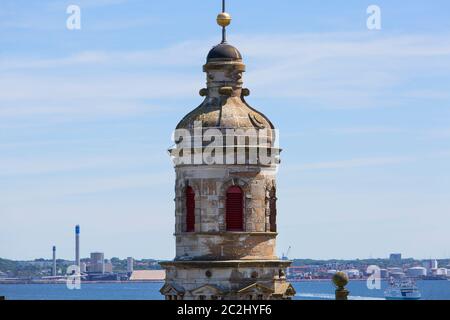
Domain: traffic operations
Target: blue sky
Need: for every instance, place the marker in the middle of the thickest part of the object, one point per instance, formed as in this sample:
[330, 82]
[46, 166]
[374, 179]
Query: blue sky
[86, 117]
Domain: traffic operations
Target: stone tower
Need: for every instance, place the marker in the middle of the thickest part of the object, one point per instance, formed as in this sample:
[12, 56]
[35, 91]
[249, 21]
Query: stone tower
[225, 216]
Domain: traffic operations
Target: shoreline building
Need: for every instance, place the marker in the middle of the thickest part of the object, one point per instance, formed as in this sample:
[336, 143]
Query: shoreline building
[416, 272]
[97, 263]
[395, 259]
[225, 216]
[130, 265]
[430, 265]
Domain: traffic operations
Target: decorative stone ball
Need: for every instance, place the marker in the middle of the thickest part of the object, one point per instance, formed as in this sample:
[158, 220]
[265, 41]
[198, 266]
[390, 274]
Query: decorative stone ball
[340, 279]
[223, 19]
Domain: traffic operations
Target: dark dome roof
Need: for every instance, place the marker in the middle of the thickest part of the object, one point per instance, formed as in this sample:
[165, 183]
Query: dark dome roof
[224, 51]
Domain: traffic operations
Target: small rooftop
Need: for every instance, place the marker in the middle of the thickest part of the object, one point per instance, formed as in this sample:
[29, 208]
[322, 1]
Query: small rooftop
[224, 52]
[148, 275]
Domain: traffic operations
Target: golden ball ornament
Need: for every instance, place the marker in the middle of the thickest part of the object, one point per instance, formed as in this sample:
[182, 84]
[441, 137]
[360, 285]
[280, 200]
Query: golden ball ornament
[223, 19]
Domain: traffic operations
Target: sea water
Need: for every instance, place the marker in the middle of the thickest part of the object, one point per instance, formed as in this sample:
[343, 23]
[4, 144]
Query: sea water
[306, 290]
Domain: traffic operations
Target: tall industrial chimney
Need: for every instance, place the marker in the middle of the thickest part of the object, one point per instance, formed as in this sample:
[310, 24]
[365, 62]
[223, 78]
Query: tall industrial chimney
[54, 262]
[130, 262]
[77, 245]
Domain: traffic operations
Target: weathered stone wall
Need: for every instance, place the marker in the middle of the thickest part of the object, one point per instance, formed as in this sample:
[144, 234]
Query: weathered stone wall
[225, 246]
[210, 239]
[227, 280]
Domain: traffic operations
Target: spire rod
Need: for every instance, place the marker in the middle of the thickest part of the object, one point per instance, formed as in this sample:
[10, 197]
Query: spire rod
[224, 29]
[224, 35]
[224, 19]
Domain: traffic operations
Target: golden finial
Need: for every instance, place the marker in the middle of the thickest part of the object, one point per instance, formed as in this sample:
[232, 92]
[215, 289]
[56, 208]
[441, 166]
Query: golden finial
[223, 20]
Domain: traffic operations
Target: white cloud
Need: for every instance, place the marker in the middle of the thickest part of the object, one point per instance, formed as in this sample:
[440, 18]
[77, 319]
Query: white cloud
[60, 88]
[348, 70]
[100, 3]
[365, 130]
[368, 162]
[53, 5]
[439, 133]
[80, 108]
[59, 163]
[193, 54]
[319, 45]
[34, 190]
[286, 51]
[81, 58]
[352, 163]
[324, 70]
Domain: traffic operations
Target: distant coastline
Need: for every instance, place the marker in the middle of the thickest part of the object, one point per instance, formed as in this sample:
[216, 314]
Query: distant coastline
[14, 282]
[39, 271]
[63, 282]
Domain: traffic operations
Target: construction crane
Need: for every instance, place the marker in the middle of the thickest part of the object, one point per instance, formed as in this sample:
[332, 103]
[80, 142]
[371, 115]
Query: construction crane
[285, 256]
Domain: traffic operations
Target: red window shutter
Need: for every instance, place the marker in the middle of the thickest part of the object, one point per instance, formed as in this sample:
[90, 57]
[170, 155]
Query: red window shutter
[190, 209]
[235, 209]
[273, 210]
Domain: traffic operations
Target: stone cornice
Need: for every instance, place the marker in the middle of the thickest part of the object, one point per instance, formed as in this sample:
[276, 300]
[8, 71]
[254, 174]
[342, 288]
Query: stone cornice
[227, 263]
[226, 233]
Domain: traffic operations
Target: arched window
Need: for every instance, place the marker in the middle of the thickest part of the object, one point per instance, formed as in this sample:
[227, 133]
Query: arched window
[273, 210]
[235, 209]
[190, 209]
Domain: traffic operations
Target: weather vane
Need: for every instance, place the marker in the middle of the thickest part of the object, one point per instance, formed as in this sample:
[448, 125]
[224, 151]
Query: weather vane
[224, 20]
